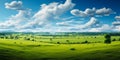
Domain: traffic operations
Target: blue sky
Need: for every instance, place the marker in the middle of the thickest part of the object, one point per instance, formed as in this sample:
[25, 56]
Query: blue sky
[60, 15]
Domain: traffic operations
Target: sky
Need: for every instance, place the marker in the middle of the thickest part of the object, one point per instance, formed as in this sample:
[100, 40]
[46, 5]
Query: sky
[59, 16]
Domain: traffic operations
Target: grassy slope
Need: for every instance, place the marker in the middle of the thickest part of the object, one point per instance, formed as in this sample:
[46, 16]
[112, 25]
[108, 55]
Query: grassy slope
[28, 50]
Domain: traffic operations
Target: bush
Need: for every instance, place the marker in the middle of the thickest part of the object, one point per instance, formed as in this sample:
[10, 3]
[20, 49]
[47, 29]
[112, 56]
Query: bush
[95, 37]
[14, 42]
[58, 42]
[119, 39]
[72, 49]
[39, 45]
[16, 37]
[86, 41]
[114, 39]
[27, 38]
[67, 41]
[6, 37]
[50, 39]
[33, 40]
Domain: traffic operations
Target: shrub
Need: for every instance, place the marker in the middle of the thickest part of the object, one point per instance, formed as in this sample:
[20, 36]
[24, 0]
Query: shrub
[72, 49]
[58, 42]
[86, 41]
[16, 37]
[27, 38]
[6, 37]
[14, 42]
[114, 39]
[78, 42]
[50, 39]
[39, 45]
[67, 41]
[2, 37]
[95, 37]
[33, 40]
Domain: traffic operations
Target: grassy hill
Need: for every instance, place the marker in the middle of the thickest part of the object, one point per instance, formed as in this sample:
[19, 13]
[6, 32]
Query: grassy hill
[31, 50]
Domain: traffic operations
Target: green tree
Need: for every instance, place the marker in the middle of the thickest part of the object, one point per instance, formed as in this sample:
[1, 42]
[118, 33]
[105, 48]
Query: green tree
[107, 39]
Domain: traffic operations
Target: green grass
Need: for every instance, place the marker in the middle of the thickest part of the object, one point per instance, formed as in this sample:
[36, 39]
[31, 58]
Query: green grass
[73, 39]
[31, 50]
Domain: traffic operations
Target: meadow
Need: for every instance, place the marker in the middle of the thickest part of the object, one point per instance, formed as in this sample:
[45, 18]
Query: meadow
[58, 47]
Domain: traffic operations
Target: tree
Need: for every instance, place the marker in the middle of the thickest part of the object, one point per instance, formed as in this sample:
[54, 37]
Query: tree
[107, 39]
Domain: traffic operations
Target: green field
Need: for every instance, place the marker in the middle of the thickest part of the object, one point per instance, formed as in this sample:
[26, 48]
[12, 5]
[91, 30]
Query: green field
[68, 48]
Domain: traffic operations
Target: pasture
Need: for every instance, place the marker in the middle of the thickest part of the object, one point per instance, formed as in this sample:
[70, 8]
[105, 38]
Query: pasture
[34, 47]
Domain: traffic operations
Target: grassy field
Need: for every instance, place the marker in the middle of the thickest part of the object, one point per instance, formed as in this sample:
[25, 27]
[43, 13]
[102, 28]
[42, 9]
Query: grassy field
[46, 48]
[74, 39]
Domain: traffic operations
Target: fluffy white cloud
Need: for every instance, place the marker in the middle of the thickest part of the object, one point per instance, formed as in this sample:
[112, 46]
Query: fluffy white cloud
[15, 21]
[15, 5]
[49, 12]
[92, 12]
[92, 22]
[77, 12]
[104, 27]
[117, 17]
[117, 22]
[117, 28]
[62, 24]
[65, 23]
[87, 12]
[104, 11]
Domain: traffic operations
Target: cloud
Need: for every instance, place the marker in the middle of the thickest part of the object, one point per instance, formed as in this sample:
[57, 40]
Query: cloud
[15, 21]
[117, 28]
[104, 11]
[87, 12]
[91, 23]
[48, 19]
[62, 24]
[103, 28]
[117, 22]
[65, 23]
[76, 12]
[14, 5]
[117, 17]
[92, 12]
[49, 12]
